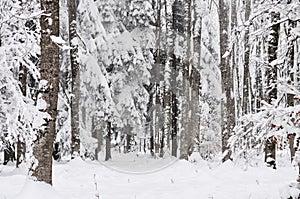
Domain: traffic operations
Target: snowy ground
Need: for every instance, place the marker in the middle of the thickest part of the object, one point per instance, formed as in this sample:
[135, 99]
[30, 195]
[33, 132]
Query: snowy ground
[138, 177]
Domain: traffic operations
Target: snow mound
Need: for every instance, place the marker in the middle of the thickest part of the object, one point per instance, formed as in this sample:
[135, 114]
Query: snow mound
[38, 190]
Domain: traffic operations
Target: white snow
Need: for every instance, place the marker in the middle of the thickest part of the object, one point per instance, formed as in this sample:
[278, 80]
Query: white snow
[57, 40]
[134, 176]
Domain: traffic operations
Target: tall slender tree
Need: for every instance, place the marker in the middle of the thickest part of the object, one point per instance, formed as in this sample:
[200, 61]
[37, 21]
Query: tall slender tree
[187, 137]
[227, 101]
[271, 80]
[75, 145]
[247, 105]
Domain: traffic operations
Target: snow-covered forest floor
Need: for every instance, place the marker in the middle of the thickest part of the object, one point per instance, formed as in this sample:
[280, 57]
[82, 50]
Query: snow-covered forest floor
[140, 177]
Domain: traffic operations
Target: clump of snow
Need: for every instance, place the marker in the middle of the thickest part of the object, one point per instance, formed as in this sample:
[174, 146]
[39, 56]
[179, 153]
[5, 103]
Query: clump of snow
[57, 40]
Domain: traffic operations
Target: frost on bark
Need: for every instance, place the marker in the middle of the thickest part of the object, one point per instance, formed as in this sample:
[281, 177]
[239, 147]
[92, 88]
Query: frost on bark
[49, 74]
[186, 137]
[271, 81]
[75, 145]
[195, 73]
[227, 100]
[167, 79]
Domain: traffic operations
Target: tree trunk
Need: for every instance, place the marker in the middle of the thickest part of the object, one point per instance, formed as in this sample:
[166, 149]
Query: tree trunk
[21, 146]
[187, 137]
[75, 145]
[167, 77]
[247, 82]
[9, 153]
[174, 124]
[108, 141]
[157, 113]
[195, 74]
[227, 101]
[289, 62]
[49, 73]
[271, 81]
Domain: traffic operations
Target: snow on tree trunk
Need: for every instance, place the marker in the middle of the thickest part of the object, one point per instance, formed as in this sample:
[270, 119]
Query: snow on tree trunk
[195, 73]
[227, 101]
[48, 96]
[247, 81]
[271, 81]
[21, 146]
[167, 77]
[186, 137]
[75, 145]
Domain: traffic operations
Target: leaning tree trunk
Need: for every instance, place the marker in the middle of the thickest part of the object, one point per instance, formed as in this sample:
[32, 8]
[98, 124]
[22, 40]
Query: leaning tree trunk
[75, 145]
[48, 93]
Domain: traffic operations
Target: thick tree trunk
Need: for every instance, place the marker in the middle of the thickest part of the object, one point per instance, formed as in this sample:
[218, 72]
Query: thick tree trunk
[75, 145]
[186, 137]
[49, 73]
[195, 73]
[227, 101]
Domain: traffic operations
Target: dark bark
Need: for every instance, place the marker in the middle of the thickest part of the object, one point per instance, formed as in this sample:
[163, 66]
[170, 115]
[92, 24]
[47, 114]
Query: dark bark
[247, 81]
[9, 153]
[258, 80]
[270, 152]
[174, 124]
[271, 82]
[272, 46]
[108, 142]
[128, 142]
[291, 142]
[49, 72]
[21, 146]
[227, 101]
